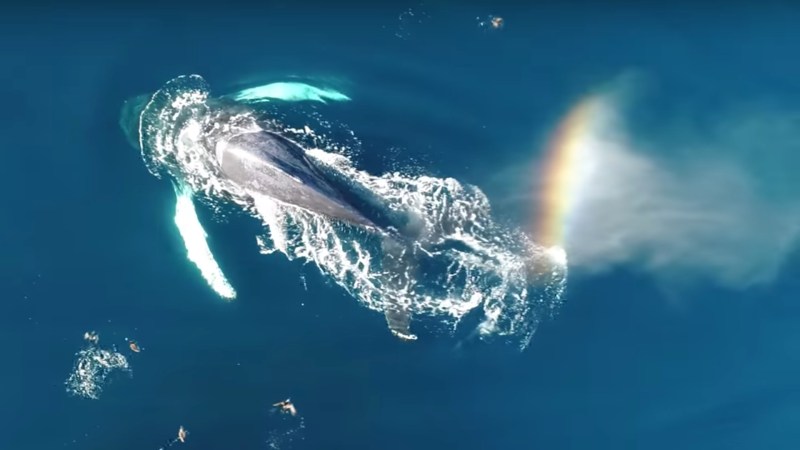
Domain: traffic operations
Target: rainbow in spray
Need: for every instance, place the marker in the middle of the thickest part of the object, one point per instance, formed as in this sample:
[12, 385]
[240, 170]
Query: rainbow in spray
[565, 173]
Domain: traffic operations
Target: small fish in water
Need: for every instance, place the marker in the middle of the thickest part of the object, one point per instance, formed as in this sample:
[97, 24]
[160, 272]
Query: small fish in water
[286, 407]
[92, 337]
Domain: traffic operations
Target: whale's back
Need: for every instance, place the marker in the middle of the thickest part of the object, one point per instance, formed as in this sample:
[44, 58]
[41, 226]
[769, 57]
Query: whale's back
[268, 164]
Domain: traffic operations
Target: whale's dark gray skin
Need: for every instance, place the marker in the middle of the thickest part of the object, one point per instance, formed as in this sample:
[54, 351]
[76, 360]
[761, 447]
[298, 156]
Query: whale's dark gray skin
[266, 163]
[271, 165]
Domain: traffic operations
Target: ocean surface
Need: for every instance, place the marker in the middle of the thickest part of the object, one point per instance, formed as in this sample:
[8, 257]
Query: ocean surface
[637, 355]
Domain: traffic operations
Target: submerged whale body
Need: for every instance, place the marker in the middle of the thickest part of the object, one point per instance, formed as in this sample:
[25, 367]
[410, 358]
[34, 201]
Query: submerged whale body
[263, 162]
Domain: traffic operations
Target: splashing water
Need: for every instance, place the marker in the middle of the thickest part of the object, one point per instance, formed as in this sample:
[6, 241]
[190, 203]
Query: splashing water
[285, 432]
[463, 261]
[93, 367]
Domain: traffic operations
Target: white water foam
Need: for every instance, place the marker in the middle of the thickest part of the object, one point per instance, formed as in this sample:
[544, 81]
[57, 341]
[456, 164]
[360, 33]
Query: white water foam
[92, 369]
[465, 261]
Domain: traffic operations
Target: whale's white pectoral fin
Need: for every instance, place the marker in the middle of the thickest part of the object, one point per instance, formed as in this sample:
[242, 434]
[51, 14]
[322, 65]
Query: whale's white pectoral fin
[289, 91]
[194, 238]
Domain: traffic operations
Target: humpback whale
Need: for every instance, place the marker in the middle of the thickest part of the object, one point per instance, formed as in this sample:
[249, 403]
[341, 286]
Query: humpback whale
[262, 161]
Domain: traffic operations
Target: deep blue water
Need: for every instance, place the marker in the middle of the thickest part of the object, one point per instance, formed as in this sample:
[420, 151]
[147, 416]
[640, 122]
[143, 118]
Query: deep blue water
[89, 241]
